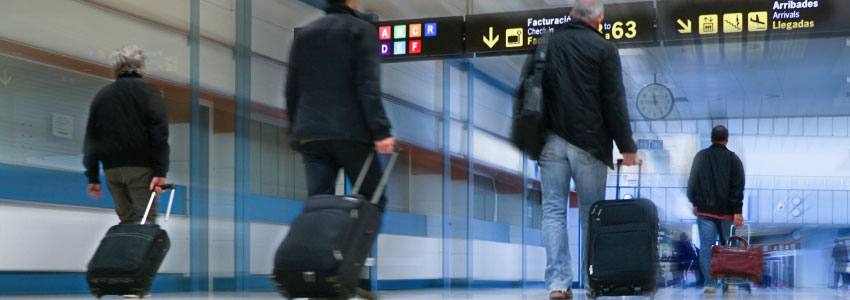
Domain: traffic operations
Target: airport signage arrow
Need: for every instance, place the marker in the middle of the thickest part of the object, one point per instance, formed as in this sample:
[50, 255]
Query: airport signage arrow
[5, 79]
[685, 27]
[490, 40]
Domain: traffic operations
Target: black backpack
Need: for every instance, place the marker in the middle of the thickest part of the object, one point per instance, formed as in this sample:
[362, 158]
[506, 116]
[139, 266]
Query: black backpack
[528, 132]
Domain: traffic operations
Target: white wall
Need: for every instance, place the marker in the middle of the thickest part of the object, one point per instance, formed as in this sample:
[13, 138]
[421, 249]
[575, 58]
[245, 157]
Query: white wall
[416, 258]
[37, 234]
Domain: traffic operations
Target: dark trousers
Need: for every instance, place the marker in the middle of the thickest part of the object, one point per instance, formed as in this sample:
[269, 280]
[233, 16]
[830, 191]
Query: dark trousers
[129, 189]
[323, 159]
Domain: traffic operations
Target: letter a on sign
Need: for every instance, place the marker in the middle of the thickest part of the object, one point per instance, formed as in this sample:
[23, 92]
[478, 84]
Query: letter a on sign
[385, 33]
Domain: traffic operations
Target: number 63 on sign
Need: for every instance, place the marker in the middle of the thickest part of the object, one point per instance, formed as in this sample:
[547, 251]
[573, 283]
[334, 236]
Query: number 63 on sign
[619, 30]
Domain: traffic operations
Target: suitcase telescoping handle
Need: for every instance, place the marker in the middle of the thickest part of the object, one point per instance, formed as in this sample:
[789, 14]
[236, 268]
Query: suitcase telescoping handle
[620, 169]
[153, 196]
[732, 234]
[379, 191]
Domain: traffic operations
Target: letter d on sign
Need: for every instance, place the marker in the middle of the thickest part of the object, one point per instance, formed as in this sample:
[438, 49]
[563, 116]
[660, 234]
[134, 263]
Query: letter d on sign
[385, 49]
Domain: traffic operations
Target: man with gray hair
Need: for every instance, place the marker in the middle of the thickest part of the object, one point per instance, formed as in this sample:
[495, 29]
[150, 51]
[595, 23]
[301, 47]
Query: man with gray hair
[127, 131]
[586, 113]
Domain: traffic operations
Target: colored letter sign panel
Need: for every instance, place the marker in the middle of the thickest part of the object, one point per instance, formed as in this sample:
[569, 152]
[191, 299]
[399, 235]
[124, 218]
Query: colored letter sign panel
[421, 38]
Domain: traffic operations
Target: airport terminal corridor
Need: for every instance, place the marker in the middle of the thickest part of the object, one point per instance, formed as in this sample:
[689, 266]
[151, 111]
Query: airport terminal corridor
[465, 214]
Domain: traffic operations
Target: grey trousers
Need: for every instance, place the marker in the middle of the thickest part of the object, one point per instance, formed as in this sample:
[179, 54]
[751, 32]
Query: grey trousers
[129, 189]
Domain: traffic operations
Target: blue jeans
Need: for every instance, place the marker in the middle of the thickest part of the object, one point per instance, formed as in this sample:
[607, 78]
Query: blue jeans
[710, 230]
[560, 162]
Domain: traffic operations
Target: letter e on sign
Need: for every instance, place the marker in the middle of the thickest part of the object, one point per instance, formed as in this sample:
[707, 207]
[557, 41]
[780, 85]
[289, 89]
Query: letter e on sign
[400, 48]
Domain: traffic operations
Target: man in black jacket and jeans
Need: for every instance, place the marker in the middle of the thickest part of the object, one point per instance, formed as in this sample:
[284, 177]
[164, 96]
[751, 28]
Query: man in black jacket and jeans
[586, 112]
[333, 94]
[716, 190]
[127, 131]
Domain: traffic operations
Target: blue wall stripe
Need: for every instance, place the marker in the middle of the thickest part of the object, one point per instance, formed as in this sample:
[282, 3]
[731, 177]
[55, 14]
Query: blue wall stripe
[489, 231]
[39, 283]
[254, 283]
[404, 224]
[63, 188]
[67, 188]
[404, 284]
[284, 211]
[534, 237]
[267, 209]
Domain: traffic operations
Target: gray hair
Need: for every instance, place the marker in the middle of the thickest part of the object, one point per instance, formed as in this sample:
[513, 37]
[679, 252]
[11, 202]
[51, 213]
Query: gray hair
[588, 9]
[128, 59]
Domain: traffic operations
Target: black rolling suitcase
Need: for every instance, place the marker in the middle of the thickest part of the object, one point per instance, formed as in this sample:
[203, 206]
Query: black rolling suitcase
[622, 246]
[129, 256]
[325, 250]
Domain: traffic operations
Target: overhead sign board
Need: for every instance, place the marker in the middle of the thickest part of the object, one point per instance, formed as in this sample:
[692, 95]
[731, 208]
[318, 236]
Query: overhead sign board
[629, 23]
[406, 39]
[705, 19]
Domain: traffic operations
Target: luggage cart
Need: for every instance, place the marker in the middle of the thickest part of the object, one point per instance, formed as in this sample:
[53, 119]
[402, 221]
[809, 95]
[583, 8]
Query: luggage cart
[737, 281]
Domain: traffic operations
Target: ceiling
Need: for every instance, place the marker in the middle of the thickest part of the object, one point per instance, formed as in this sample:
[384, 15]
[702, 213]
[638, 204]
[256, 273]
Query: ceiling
[754, 79]
[782, 78]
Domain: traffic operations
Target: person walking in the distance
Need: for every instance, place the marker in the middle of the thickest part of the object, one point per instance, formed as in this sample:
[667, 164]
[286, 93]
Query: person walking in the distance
[127, 131]
[716, 190]
[586, 113]
[333, 98]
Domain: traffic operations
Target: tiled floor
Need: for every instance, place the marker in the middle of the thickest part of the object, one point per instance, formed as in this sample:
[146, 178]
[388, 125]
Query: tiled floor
[505, 294]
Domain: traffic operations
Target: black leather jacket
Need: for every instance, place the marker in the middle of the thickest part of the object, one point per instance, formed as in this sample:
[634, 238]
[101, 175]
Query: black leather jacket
[585, 96]
[333, 89]
[716, 185]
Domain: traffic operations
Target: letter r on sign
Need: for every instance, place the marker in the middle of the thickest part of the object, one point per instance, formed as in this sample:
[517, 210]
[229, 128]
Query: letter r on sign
[430, 29]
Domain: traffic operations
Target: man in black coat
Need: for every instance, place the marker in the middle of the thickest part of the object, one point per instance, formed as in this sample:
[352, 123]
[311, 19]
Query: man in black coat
[127, 131]
[716, 190]
[586, 113]
[333, 94]
[333, 98]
